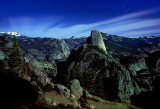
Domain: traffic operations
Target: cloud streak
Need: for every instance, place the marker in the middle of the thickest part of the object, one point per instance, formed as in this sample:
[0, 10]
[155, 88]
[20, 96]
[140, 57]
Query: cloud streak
[131, 24]
[126, 23]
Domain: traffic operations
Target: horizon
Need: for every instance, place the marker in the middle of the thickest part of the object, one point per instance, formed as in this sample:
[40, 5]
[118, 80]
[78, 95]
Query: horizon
[64, 19]
[20, 35]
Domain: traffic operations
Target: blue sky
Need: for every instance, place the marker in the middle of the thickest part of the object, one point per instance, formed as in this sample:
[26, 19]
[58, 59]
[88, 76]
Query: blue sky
[66, 18]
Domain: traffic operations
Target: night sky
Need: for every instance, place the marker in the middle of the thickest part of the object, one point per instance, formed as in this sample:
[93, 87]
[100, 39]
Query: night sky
[66, 18]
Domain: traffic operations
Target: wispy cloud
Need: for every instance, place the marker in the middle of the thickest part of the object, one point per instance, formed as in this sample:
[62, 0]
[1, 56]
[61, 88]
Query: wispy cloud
[131, 24]
[126, 23]
[29, 26]
[140, 33]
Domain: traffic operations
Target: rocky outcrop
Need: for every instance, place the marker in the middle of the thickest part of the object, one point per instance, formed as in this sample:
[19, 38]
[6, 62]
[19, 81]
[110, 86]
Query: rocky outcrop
[143, 73]
[144, 70]
[41, 72]
[136, 69]
[97, 40]
[137, 65]
[108, 73]
[120, 80]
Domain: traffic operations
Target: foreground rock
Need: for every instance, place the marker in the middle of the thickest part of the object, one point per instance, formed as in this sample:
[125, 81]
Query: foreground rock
[76, 89]
[41, 72]
[64, 91]
[44, 99]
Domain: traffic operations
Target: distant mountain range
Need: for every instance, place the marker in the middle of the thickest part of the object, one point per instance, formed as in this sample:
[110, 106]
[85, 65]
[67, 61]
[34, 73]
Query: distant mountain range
[57, 49]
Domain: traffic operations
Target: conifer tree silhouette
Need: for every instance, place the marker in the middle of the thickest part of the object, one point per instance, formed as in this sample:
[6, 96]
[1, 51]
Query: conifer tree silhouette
[15, 58]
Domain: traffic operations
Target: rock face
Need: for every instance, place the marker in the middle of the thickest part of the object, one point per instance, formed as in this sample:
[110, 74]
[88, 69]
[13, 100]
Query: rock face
[137, 71]
[5, 47]
[119, 80]
[143, 71]
[44, 49]
[75, 43]
[41, 72]
[93, 62]
[137, 65]
[97, 40]
[122, 47]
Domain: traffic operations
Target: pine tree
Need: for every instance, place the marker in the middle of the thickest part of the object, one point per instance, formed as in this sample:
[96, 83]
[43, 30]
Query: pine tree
[99, 86]
[75, 74]
[15, 58]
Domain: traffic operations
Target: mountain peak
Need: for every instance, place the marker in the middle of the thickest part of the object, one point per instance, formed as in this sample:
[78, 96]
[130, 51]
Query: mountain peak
[11, 33]
[97, 40]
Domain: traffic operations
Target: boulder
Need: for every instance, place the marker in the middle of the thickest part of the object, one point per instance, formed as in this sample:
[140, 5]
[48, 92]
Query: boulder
[34, 83]
[76, 89]
[26, 77]
[44, 99]
[63, 90]
[41, 72]
[41, 97]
